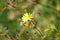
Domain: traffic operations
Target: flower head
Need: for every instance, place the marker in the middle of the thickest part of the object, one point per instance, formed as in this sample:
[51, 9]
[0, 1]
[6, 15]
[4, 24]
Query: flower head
[26, 17]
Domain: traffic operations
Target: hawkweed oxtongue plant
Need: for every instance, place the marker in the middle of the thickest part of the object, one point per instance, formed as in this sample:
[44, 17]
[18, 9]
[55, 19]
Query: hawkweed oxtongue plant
[26, 18]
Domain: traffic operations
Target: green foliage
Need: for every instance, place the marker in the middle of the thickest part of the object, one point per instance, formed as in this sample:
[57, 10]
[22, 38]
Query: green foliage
[45, 24]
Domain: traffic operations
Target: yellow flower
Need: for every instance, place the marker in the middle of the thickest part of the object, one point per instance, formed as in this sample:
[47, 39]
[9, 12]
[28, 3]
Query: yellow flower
[26, 17]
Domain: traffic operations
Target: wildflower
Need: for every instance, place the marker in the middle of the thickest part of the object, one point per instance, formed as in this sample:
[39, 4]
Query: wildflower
[26, 17]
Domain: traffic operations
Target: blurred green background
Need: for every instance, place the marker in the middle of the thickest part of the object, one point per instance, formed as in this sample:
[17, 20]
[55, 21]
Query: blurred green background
[45, 24]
